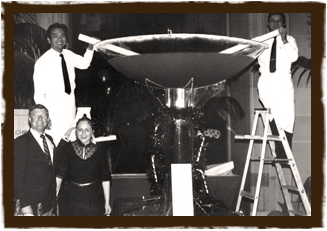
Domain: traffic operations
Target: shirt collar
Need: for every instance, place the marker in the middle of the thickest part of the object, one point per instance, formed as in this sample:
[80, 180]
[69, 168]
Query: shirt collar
[56, 52]
[278, 38]
[36, 134]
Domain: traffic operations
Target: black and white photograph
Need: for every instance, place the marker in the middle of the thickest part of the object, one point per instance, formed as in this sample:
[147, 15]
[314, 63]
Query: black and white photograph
[163, 114]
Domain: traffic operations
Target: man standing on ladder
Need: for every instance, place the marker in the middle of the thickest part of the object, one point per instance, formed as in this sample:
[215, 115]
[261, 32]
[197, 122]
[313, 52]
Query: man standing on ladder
[276, 92]
[275, 84]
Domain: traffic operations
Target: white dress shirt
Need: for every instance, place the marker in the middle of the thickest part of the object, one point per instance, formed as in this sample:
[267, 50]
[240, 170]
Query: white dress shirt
[276, 89]
[49, 88]
[38, 138]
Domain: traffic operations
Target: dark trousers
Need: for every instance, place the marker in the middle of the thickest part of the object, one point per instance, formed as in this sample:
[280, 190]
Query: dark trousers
[280, 152]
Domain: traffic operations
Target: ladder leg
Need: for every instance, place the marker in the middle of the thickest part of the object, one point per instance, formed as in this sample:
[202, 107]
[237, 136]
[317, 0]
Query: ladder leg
[295, 172]
[262, 156]
[272, 145]
[279, 170]
[282, 181]
[247, 162]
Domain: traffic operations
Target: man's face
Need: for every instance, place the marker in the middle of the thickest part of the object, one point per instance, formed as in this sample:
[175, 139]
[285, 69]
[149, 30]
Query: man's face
[275, 22]
[57, 39]
[39, 120]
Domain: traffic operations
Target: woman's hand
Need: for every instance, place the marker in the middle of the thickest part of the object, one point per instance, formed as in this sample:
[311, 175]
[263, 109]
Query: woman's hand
[107, 209]
[67, 134]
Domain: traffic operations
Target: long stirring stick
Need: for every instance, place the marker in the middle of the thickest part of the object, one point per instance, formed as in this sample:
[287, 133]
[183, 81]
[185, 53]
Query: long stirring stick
[261, 38]
[110, 47]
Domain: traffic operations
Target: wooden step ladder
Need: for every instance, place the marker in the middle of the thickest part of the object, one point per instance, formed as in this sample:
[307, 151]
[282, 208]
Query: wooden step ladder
[286, 189]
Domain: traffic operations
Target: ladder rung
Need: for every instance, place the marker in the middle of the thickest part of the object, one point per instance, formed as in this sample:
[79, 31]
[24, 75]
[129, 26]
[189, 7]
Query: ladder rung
[278, 159]
[290, 187]
[250, 137]
[297, 213]
[270, 159]
[261, 109]
[247, 195]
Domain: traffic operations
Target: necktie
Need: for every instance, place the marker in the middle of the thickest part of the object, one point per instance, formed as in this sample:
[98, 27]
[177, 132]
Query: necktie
[65, 74]
[46, 149]
[273, 57]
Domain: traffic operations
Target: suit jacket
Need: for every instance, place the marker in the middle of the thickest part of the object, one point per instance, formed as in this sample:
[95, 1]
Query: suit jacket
[34, 177]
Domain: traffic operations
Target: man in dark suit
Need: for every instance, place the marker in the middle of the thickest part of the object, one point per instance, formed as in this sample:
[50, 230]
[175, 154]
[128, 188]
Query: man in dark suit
[34, 159]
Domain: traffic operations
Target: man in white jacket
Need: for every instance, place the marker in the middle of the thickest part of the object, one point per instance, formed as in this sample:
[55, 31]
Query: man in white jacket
[275, 84]
[50, 88]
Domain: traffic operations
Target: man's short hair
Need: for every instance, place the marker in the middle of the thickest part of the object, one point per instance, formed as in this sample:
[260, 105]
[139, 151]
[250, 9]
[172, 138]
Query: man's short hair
[281, 14]
[56, 25]
[38, 106]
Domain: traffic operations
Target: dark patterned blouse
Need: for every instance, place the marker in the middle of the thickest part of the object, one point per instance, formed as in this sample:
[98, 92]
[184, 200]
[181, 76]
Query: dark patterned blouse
[82, 164]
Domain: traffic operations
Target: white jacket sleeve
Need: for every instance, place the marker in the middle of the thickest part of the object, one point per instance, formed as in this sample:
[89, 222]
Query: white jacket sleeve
[83, 62]
[291, 49]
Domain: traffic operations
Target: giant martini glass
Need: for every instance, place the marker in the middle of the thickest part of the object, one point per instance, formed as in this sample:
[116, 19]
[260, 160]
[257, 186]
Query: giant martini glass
[190, 68]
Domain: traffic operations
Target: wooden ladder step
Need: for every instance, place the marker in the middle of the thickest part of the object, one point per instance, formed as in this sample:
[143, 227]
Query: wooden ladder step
[290, 187]
[270, 159]
[297, 213]
[256, 137]
[262, 109]
[247, 195]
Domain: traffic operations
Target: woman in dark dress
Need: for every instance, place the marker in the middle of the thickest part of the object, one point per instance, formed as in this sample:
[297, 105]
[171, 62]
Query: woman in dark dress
[84, 165]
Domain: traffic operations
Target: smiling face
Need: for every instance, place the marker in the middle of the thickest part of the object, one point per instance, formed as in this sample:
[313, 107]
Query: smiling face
[275, 22]
[58, 39]
[84, 132]
[39, 120]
